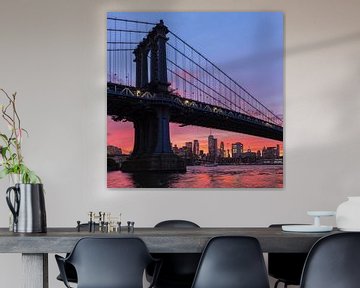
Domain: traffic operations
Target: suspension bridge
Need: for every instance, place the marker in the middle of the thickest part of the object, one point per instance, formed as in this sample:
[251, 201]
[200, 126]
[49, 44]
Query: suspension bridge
[154, 77]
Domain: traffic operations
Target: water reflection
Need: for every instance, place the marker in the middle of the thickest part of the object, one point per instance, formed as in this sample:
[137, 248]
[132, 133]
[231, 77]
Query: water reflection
[244, 176]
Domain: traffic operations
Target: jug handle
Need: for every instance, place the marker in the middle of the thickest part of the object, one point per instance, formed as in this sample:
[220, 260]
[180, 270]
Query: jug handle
[13, 208]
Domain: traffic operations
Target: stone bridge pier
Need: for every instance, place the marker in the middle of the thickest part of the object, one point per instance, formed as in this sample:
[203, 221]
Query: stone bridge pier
[152, 149]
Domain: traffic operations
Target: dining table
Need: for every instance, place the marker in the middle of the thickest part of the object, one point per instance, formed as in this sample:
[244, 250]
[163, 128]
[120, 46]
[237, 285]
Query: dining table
[35, 247]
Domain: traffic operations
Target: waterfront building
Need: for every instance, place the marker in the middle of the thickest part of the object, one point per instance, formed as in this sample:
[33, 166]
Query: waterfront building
[212, 146]
[237, 149]
[271, 152]
[175, 149]
[196, 147]
[188, 146]
[113, 151]
[222, 149]
[248, 156]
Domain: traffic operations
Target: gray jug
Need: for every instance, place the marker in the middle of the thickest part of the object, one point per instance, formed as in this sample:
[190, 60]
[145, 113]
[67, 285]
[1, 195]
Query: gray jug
[28, 208]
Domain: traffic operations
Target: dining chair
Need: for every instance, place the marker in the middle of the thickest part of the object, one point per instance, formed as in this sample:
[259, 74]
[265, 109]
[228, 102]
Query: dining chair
[178, 269]
[333, 262]
[108, 263]
[232, 262]
[70, 271]
[285, 267]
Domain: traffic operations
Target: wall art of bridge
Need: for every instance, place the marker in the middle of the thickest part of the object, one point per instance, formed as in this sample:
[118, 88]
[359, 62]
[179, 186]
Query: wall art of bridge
[155, 77]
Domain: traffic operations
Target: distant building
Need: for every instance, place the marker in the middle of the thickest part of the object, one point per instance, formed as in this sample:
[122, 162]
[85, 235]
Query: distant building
[248, 157]
[113, 151]
[182, 151]
[212, 146]
[115, 158]
[222, 149]
[188, 146]
[175, 149]
[237, 149]
[196, 148]
[258, 154]
[271, 152]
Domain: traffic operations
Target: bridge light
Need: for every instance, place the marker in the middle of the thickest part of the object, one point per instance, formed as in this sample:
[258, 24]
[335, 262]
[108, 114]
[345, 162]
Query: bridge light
[186, 102]
[138, 92]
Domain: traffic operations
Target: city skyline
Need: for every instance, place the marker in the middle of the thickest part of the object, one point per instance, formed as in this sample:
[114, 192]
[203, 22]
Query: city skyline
[205, 147]
[126, 139]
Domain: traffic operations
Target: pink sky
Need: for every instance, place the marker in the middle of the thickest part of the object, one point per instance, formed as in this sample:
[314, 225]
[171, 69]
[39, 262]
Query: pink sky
[121, 134]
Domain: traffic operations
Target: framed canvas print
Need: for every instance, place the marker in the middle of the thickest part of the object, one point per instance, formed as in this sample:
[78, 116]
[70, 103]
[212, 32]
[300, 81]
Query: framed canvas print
[195, 100]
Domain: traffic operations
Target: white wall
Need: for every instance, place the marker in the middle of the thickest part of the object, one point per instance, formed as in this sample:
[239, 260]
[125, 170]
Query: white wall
[53, 54]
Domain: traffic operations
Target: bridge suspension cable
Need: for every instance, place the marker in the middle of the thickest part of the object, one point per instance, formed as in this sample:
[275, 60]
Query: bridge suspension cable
[130, 21]
[123, 35]
[199, 74]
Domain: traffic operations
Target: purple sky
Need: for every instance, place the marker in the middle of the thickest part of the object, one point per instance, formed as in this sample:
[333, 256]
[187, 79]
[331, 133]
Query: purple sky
[248, 46]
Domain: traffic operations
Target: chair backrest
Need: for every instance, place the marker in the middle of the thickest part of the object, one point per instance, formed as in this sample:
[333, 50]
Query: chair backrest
[333, 262]
[176, 224]
[286, 266]
[110, 262]
[178, 269]
[232, 262]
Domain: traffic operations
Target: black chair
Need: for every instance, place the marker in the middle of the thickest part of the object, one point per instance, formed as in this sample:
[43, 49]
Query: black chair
[286, 267]
[232, 262]
[178, 269]
[69, 269]
[333, 262]
[108, 263]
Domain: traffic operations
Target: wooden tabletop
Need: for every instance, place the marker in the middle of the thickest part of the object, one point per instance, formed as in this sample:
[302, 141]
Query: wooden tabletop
[158, 240]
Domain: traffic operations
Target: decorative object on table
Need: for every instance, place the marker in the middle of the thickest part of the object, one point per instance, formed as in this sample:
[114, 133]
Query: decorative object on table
[174, 116]
[348, 214]
[102, 222]
[130, 225]
[27, 204]
[28, 208]
[316, 227]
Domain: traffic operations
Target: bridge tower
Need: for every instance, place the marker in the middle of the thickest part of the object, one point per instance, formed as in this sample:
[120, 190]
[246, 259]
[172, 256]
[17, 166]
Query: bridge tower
[152, 149]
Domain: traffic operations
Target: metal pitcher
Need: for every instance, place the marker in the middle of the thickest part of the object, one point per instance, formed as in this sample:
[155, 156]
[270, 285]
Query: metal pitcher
[28, 207]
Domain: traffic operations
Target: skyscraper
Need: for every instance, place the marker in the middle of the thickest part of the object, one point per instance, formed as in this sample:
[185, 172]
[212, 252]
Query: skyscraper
[212, 146]
[188, 146]
[196, 147]
[237, 149]
[222, 149]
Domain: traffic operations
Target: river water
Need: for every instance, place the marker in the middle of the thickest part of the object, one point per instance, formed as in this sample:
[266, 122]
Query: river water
[227, 176]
